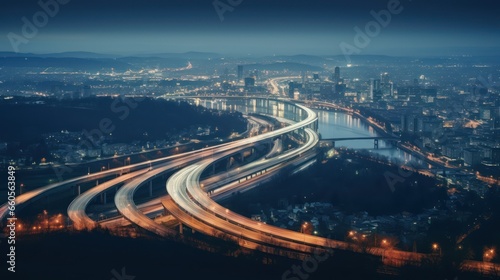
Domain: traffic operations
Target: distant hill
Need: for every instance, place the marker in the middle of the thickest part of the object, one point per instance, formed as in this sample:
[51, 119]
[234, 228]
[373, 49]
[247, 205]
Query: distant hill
[90, 61]
[79, 55]
[281, 66]
[158, 62]
[301, 58]
[86, 64]
[186, 55]
[60, 55]
[14, 54]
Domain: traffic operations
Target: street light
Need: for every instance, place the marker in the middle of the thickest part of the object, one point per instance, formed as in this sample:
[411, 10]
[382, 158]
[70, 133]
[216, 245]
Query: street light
[489, 254]
[303, 227]
[45, 214]
[436, 247]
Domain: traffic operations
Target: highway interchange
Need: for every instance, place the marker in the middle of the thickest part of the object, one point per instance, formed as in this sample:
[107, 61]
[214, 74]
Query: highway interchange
[192, 203]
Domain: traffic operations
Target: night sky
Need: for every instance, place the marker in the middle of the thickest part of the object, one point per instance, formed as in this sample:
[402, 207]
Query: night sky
[256, 27]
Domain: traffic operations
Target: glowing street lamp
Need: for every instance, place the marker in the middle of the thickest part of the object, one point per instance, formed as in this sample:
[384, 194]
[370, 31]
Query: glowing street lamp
[385, 243]
[489, 254]
[436, 247]
[303, 228]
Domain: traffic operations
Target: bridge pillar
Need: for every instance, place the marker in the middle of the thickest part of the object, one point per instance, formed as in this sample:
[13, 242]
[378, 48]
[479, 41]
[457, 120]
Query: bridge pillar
[375, 143]
[151, 188]
[181, 230]
[79, 189]
[333, 144]
[104, 198]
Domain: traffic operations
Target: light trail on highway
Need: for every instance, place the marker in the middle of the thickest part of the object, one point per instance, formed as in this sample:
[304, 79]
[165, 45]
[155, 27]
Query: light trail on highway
[76, 210]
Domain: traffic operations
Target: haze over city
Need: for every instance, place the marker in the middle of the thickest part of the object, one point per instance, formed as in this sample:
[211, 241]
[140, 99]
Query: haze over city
[315, 27]
[249, 139]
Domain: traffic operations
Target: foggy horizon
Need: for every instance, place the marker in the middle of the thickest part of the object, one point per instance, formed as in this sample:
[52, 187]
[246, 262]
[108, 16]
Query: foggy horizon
[259, 28]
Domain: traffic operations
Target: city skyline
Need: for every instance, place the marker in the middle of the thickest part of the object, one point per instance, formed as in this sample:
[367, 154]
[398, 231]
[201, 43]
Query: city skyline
[282, 139]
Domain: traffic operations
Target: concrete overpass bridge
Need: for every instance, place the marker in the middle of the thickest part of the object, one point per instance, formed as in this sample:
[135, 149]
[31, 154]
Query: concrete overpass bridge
[193, 206]
[375, 139]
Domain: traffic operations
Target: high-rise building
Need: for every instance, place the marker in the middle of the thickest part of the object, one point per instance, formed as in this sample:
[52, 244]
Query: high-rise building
[255, 74]
[385, 79]
[340, 89]
[336, 75]
[375, 90]
[387, 86]
[428, 124]
[249, 82]
[472, 156]
[408, 123]
[292, 88]
[240, 72]
[225, 76]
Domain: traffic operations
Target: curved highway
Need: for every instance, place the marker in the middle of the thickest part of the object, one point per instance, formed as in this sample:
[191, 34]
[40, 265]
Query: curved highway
[124, 197]
[192, 203]
[76, 210]
[187, 195]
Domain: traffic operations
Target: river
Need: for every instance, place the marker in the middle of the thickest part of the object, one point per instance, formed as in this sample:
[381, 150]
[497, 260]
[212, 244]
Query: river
[337, 124]
[332, 124]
